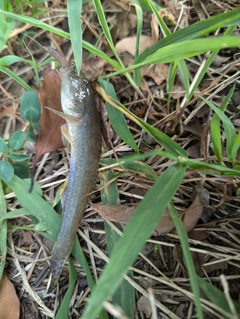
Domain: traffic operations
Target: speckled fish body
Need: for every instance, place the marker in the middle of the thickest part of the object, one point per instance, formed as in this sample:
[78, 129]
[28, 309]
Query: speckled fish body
[84, 130]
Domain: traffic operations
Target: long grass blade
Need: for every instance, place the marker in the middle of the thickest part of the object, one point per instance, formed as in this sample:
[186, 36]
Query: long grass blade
[74, 9]
[3, 230]
[196, 30]
[227, 124]
[124, 297]
[64, 307]
[139, 228]
[187, 258]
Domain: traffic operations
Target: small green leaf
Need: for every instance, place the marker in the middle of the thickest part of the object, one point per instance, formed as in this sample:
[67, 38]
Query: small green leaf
[16, 141]
[30, 107]
[18, 157]
[31, 135]
[6, 171]
[21, 169]
[3, 146]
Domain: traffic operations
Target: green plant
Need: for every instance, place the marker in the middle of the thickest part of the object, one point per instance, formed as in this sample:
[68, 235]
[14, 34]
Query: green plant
[174, 48]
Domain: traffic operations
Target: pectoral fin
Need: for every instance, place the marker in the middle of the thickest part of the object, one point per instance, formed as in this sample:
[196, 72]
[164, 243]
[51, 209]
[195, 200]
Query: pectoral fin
[69, 118]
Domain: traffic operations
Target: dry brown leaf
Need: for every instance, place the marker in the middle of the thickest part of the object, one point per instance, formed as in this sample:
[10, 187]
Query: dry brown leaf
[115, 213]
[129, 44]
[158, 72]
[122, 214]
[155, 28]
[213, 265]
[200, 235]
[193, 213]
[92, 68]
[50, 136]
[127, 48]
[123, 25]
[9, 302]
[144, 305]
[194, 127]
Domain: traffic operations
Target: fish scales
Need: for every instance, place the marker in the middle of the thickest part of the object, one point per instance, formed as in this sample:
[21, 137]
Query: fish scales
[84, 130]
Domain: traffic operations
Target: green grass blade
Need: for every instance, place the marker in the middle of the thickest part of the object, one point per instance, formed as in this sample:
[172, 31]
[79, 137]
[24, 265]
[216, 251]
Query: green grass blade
[235, 147]
[187, 258]
[74, 9]
[216, 137]
[171, 146]
[137, 73]
[103, 22]
[132, 163]
[124, 297]
[213, 169]
[201, 72]
[64, 307]
[170, 81]
[43, 211]
[15, 77]
[161, 22]
[184, 75]
[196, 30]
[216, 296]
[3, 230]
[144, 4]
[186, 49]
[138, 230]
[117, 119]
[227, 124]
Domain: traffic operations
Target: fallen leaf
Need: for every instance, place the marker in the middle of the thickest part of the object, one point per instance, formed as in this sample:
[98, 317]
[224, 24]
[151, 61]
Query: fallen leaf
[50, 137]
[200, 235]
[122, 213]
[127, 49]
[129, 44]
[194, 127]
[115, 213]
[124, 23]
[92, 68]
[144, 305]
[146, 282]
[9, 302]
[192, 214]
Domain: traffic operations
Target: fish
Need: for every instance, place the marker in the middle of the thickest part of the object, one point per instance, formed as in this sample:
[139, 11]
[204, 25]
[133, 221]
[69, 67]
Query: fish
[81, 115]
